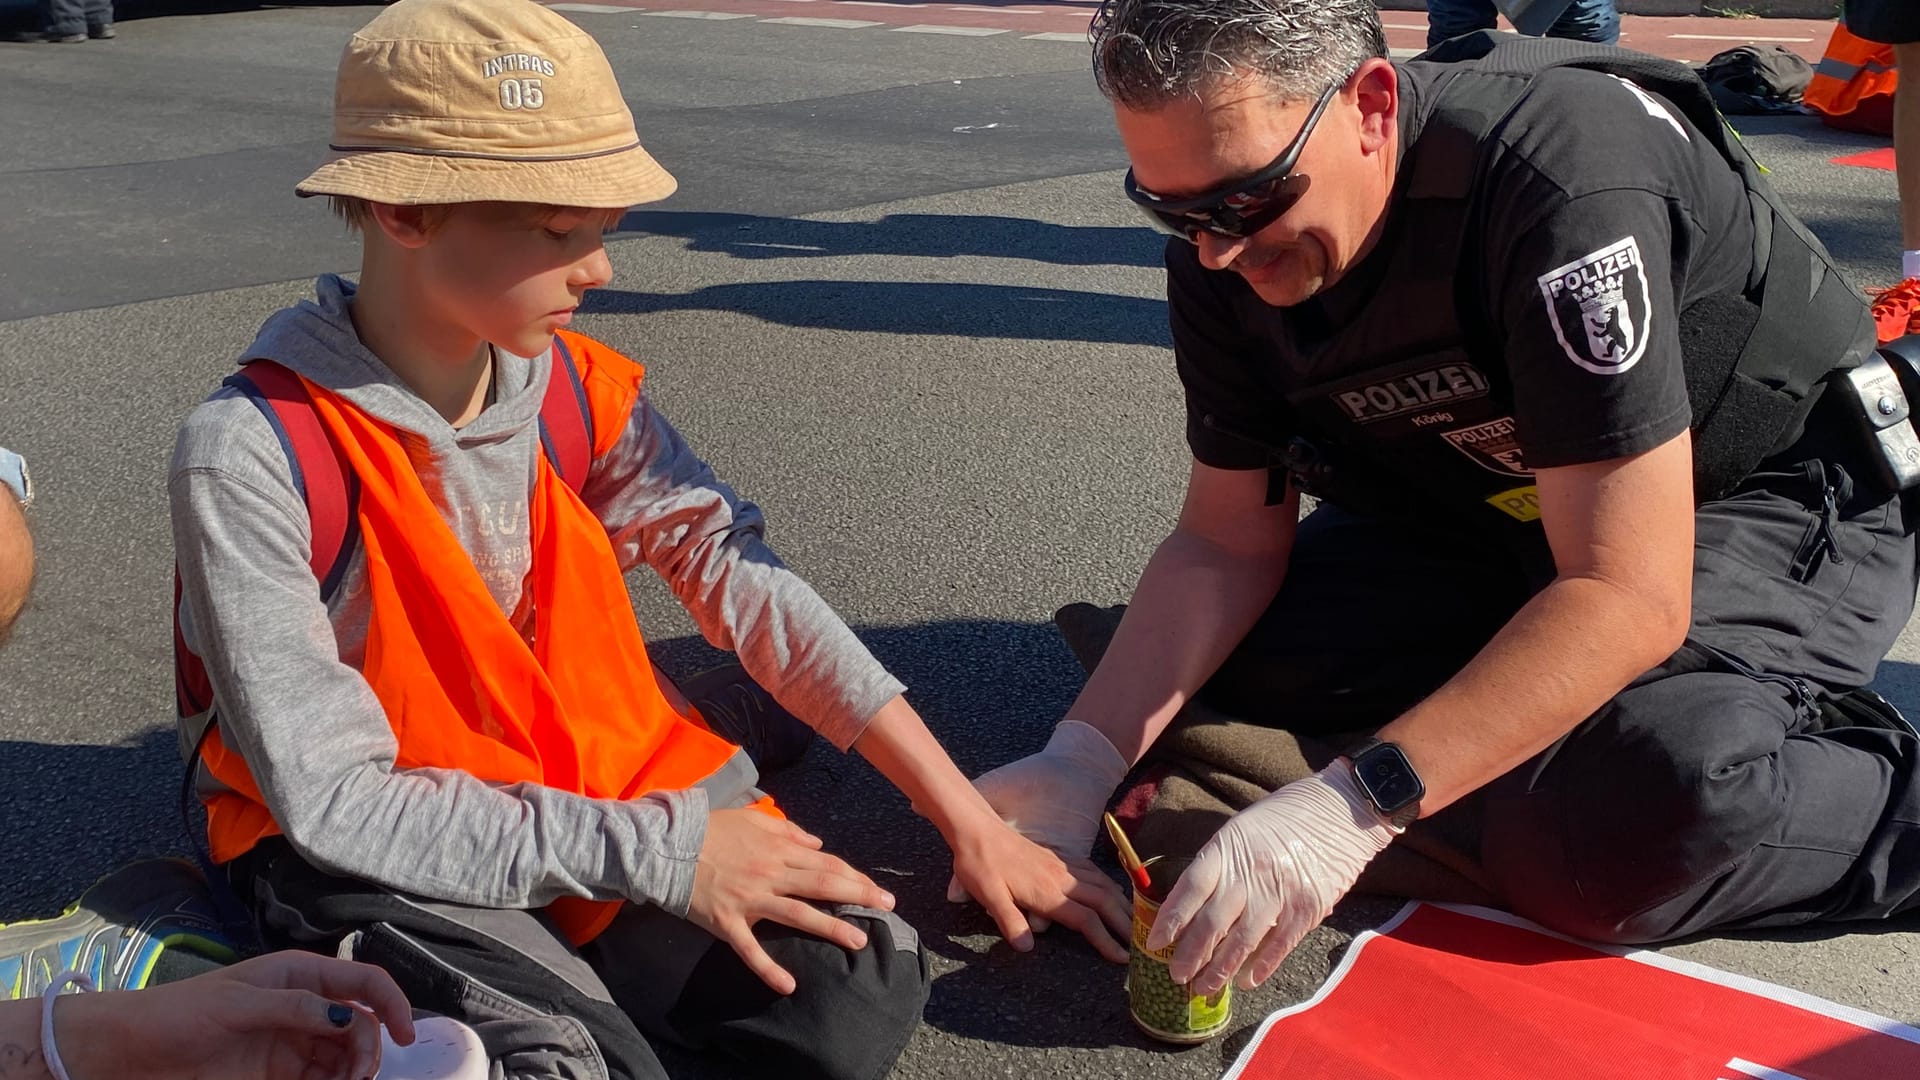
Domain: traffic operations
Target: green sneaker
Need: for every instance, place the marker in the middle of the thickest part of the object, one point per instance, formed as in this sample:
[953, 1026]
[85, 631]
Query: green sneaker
[117, 931]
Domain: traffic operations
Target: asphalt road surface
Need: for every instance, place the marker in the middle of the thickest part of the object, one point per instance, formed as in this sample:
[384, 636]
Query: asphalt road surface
[898, 300]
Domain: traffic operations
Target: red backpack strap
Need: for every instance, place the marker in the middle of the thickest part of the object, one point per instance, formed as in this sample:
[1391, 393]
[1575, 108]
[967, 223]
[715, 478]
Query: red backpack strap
[566, 423]
[330, 489]
[192, 690]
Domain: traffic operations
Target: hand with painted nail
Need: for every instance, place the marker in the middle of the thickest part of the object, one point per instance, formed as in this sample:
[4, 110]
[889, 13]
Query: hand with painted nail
[754, 866]
[283, 1016]
[1267, 877]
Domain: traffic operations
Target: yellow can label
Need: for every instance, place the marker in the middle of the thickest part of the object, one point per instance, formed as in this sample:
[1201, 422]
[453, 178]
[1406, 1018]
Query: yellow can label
[1207, 1013]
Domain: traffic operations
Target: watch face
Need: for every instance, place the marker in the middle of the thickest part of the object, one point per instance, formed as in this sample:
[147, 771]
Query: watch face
[1388, 778]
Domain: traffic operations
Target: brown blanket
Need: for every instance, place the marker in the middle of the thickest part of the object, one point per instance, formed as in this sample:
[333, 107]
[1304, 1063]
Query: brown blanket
[1208, 766]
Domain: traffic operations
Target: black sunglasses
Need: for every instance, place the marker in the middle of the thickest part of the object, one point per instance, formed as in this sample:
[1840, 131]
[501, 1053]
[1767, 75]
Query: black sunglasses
[1240, 208]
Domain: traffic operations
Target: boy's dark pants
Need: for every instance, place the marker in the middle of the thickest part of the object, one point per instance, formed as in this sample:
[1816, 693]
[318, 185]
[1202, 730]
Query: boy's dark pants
[547, 1010]
[1709, 793]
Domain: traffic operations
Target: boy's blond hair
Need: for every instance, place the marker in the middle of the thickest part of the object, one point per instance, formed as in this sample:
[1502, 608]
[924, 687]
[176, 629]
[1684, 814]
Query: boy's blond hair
[358, 213]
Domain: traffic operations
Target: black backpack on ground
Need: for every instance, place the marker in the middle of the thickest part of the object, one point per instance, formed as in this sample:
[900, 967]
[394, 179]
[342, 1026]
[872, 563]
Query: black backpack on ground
[1753, 79]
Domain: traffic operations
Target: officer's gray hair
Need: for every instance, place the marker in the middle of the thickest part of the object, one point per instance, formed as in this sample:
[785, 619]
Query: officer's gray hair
[1147, 53]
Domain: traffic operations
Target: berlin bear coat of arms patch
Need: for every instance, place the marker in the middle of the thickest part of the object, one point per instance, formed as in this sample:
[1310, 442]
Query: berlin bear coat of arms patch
[1599, 306]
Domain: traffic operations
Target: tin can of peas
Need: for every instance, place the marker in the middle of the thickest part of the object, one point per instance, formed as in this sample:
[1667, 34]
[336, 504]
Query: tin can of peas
[1162, 1008]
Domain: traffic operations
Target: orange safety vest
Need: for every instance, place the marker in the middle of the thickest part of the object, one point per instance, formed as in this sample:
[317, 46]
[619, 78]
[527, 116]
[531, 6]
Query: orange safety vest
[578, 708]
[1853, 72]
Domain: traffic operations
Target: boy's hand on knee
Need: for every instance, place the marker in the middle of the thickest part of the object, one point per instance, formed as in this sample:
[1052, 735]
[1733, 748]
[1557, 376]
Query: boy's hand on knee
[753, 867]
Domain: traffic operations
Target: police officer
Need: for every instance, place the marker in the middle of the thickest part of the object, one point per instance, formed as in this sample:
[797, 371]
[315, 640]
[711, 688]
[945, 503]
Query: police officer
[1606, 540]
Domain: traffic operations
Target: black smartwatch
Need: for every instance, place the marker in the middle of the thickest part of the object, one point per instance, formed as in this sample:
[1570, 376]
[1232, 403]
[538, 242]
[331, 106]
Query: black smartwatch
[1389, 781]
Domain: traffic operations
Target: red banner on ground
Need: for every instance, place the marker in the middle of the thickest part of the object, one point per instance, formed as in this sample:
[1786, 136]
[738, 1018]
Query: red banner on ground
[1443, 993]
[1869, 159]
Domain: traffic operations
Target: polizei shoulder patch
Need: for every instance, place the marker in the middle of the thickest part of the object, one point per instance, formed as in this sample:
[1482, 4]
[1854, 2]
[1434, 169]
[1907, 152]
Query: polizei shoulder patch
[1599, 307]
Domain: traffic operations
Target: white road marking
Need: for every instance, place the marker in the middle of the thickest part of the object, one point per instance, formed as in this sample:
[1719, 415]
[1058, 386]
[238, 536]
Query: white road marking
[1743, 38]
[1081, 38]
[996, 10]
[699, 14]
[957, 31]
[836, 24]
[592, 9]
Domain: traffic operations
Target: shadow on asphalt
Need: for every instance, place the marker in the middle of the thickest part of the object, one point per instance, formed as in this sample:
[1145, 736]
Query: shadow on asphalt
[991, 689]
[54, 812]
[750, 236]
[1810, 129]
[903, 307]
[1847, 225]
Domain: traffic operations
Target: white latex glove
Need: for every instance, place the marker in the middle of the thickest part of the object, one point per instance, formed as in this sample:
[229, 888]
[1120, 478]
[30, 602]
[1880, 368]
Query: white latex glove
[1055, 797]
[1267, 877]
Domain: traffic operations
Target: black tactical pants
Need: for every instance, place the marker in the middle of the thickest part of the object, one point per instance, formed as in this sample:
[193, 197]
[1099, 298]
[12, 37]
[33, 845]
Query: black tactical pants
[1712, 792]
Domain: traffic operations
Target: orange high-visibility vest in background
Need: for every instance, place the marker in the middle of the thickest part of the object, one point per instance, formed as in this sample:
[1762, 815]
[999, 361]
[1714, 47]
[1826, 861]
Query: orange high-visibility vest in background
[576, 708]
[1856, 76]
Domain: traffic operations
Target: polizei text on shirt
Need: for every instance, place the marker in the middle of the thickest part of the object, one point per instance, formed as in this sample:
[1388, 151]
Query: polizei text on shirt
[1412, 392]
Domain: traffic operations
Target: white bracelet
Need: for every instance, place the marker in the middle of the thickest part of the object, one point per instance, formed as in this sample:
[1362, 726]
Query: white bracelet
[50, 1053]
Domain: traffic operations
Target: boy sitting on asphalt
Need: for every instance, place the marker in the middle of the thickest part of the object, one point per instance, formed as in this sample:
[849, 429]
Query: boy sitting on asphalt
[431, 737]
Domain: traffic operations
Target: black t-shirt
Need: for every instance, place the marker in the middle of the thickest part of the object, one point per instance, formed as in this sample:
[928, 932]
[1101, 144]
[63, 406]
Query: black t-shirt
[1599, 179]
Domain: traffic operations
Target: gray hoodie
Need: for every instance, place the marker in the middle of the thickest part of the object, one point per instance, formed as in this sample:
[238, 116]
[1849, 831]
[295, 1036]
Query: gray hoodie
[285, 667]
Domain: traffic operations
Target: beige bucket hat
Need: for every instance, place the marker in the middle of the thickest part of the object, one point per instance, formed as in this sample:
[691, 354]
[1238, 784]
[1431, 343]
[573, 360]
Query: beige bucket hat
[452, 101]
